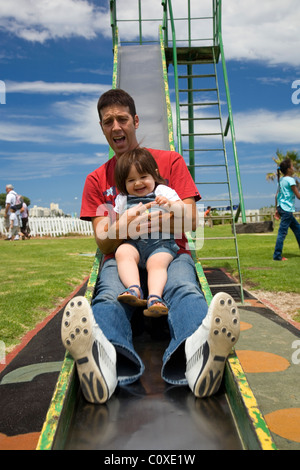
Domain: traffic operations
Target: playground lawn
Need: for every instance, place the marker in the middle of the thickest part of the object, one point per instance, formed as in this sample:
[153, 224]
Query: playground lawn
[259, 271]
[38, 274]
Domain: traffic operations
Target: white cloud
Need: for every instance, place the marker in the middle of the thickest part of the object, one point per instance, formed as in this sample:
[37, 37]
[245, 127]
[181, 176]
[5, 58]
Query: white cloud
[36, 165]
[266, 31]
[81, 121]
[11, 131]
[44, 20]
[65, 88]
[264, 126]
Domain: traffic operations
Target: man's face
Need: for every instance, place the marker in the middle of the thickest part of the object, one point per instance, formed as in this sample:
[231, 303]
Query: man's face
[119, 128]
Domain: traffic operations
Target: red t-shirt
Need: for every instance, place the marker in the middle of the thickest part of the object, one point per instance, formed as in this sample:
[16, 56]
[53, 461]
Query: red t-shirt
[99, 192]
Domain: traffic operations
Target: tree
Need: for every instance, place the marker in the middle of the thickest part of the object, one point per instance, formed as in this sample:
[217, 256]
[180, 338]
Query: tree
[279, 158]
[3, 197]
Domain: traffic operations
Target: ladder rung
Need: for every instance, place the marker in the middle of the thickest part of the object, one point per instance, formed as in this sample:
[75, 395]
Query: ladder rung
[212, 182]
[199, 89]
[208, 75]
[201, 119]
[202, 135]
[225, 285]
[217, 257]
[212, 103]
[213, 238]
[203, 150]
[214, 200]
[205, 165]
[194, 62]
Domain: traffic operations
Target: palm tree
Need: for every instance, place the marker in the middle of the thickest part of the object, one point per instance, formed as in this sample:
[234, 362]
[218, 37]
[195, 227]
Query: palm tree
[279, 158]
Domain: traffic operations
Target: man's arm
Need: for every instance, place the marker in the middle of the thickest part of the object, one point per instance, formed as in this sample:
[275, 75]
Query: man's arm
[7, 206]
[109, 234]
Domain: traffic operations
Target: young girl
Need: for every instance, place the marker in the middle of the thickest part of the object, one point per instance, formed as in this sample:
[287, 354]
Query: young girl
[139, 182]
[285, 201]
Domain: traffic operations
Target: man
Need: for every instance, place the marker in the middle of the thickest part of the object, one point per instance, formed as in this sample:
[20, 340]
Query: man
[10, 201]
[100, 338]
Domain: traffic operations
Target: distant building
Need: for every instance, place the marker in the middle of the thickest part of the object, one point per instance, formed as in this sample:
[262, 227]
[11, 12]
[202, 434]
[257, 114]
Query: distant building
[53, 211]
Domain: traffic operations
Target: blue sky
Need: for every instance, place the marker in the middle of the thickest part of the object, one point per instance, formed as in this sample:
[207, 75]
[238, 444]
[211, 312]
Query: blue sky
[56, 59]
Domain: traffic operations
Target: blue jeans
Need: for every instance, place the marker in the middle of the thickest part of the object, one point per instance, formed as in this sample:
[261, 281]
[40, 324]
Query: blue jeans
[287, 221]
[187, 309]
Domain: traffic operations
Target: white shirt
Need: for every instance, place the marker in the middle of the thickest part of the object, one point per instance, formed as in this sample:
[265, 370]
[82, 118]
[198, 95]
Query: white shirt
[160, 190]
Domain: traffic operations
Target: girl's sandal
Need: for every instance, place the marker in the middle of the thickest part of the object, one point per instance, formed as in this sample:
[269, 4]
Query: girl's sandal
[130, 297]
[155, 310]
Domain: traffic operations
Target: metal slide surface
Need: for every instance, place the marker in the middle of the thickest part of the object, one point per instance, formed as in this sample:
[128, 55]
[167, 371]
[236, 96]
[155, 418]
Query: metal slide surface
[141, 75]
[151, 414]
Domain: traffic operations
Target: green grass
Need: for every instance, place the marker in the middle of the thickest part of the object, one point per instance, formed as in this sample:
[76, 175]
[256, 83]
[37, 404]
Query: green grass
[259, 271]
[36, 276]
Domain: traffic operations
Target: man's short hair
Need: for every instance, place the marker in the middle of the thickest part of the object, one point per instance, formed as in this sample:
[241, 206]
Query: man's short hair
[116, 96]
[9, 186]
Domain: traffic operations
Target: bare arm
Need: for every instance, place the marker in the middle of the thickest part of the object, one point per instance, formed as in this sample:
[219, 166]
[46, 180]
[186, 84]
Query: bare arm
[109, 234]
[296, 191]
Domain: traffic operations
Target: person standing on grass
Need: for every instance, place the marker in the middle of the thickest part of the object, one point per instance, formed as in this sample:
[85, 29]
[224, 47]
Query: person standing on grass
[285, 202]
[14, 227]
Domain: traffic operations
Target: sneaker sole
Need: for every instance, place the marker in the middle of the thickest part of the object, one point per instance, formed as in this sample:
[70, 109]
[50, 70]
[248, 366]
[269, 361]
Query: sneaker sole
[223, 335]
[77, 337]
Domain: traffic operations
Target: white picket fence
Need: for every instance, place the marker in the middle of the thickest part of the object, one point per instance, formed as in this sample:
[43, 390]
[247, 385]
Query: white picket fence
[55, 226]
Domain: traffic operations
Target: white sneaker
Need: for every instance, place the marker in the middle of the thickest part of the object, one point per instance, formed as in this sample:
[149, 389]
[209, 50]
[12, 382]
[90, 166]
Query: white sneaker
[207, 349]
[94, 355]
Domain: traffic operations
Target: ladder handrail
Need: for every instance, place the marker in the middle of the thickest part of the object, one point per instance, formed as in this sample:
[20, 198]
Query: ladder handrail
[230, 115]
[178, 123]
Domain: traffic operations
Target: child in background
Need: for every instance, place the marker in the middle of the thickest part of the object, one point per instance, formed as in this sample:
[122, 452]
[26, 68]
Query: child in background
[14, 225]
[285, 206]
[139, 182]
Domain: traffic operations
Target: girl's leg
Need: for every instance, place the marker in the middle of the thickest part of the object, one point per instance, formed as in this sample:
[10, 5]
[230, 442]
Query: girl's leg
[282, 233]
[157, 266]
[295, 227]
[127, 258]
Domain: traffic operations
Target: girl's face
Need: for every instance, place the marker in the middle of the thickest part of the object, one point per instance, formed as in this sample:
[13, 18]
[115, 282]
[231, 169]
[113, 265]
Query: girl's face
[290, 170]
[139, 184]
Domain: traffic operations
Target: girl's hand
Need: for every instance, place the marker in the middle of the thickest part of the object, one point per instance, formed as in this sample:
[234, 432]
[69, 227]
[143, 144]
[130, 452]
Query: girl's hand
[162, 201]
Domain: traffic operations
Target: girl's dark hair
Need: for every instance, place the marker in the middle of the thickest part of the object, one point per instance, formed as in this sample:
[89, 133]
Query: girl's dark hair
[143, 161]
[283, 167]
[116, 96]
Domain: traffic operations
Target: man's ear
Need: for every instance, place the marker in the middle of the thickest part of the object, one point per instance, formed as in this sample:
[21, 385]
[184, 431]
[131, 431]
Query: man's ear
[100, 124]
[136, 121]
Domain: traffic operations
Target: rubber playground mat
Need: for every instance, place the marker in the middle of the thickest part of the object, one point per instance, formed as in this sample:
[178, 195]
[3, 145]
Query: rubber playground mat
[27, 381]
[29, 377]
